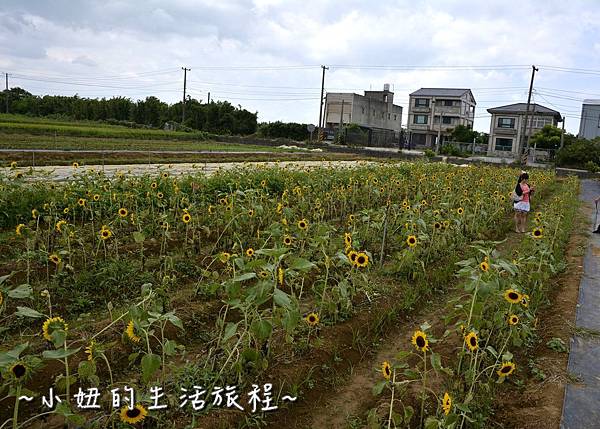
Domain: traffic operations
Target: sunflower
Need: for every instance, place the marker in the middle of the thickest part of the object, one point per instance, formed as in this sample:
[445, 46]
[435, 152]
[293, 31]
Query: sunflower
[75, 165]
[19, 175]
[287, 240]
[19, 229]
[13, 164]
[59, 225]
[154, 185]
[512, 296]
[165, 175]
[250, 252]
[224, 257]
[303, 224]
[263, 183]
[386, 370]
[251, 213]
[96, 197]
[263, 274]
[55, 259]
[420, 341]
[134, 415]
[484, 266]
[506, 369]
[352, 256]
[130, 331]
[537, 232]
[105, 233]
[160, 195]
[437, 225]
[19, 370]
[211, 209]
[280, 275]
[186, 218]
[362, 260]
[348, 239]
[471, 341]
[35, 213]
[81, 202]
[312, 319]
[66, 210]
[351, 218]
[446, 403]
[513, 319]
[90, 349]
[446, 224]
[525, 300]
[123, 212]
[52, 324]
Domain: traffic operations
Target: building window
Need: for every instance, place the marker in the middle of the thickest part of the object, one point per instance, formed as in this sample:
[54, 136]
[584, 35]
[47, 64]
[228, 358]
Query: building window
[504, 145]
[420, 119]
[598, 120]
[382, 115]
[447, 120]
[373, 112]
[385, 98]
[389, 116]
[448, 102]
[506, 122]
[421, 102]
[539, 122]
[363, 110]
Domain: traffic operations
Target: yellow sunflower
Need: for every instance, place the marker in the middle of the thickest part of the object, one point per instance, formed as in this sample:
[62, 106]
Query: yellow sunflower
[224, 257]
[19, 371]
[54, 258]
[75, 165]
[348, 239]
[123, 212]
[186, 218]
[130, 331]
[525, 300]
[484, 266]
[386, 370]
[280, 275]
[287, 240]
[81, 202]
[411, 241]
[538, 233]
[460, 210]
[352, 256]
[19, 229]
[59, 225]
[134, 415]
[312, 319]
[362, 260]
[303, 224]
[90, 349]
[513, 319]
[250, 252]
[51, 324]
[512, 296]
[446, 403]
[96, 197]
[420, 341]
[471, 341]
[105, 233]
[506, 369]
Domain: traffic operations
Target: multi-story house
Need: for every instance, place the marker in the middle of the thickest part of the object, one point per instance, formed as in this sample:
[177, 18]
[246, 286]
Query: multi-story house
[589, 125]
[375, 110]
[433, 112]
[508, 130]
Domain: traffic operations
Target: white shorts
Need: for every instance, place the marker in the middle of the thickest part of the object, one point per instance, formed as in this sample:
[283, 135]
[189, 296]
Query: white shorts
[522, 206]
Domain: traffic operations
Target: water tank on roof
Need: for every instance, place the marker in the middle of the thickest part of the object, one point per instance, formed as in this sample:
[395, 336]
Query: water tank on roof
[386, 86]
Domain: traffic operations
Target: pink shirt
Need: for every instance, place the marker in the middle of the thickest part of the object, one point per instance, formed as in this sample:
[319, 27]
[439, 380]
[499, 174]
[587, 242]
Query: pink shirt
[525, 189]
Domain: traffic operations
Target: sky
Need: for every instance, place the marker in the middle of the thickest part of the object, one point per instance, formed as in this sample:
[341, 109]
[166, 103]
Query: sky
[265, 55]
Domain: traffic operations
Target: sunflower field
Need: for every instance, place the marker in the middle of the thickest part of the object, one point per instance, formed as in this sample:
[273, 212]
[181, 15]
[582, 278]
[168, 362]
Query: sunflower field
[164, 283]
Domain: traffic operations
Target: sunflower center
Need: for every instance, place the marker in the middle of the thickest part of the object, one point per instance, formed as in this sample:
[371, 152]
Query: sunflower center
[505, 369]
[361, 260]
[513, 295]
[420, 341]
[133, 413]
[19, 370]
[473, 341]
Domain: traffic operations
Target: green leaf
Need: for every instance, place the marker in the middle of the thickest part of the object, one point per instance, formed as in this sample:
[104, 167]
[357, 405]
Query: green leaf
[138, 237]
[300, 264]
[12, 355]
[379, 386]
[271, 252]
[229, 331]
[64, 409]
[261, 329]
[244, 277]
[150, 364]
[21, 292]
[170, 316]
[290, 320]
[436, 361]
[28, 312]
[86, 369]
[170, 347]
[282, 299]
[60, 353]
[432, 423]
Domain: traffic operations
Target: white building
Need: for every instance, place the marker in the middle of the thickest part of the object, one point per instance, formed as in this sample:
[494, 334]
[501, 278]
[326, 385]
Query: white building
[589, 124]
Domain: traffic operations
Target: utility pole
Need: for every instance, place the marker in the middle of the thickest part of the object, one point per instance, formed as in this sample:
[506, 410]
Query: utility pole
[341, 122]
[321, 99]
[208, 102]
[6, 74]
[562, 133]
[534, 69]
[184, 83]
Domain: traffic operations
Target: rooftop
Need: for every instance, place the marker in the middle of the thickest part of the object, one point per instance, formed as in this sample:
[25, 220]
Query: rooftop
[441, 92]
[519, 108]
[591, 101]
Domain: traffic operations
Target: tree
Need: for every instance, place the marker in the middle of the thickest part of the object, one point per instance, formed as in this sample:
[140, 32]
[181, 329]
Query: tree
[463, 134]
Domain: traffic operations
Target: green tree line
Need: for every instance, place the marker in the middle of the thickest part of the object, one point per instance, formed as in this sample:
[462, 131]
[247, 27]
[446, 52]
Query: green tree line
[219, 117]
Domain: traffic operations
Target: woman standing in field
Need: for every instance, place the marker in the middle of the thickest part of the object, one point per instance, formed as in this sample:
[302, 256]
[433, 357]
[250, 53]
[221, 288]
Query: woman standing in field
[522, 207]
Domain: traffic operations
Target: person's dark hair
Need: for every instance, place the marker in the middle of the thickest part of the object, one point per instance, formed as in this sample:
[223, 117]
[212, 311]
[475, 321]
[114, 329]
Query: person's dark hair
[523, 176]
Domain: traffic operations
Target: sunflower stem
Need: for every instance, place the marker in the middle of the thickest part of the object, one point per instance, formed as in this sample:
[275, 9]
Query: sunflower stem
[15, 418]
[424, 384]
[392, 400]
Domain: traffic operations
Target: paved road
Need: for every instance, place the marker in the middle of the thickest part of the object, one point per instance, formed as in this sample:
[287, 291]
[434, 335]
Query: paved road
[581, 407]
[61, 173]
